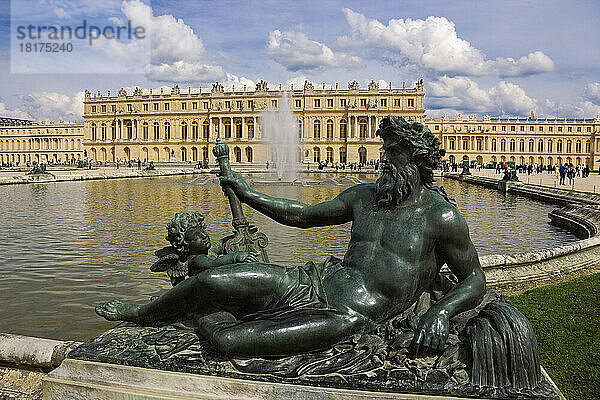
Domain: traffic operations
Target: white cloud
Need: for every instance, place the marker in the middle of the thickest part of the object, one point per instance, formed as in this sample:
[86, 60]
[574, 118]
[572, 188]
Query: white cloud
[233, 80]
[182, 71]
[61, 13]
[170, 51]
[511, 99]
[582, 109]
[117, 21]
[464, 95]
[297, 81]
[434, 44]
[591, 92]
[19, 114]
[53, 106]
[296, 52]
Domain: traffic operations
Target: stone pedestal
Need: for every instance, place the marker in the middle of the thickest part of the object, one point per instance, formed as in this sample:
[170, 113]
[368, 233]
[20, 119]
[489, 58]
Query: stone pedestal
[78, 379]
[504, 186]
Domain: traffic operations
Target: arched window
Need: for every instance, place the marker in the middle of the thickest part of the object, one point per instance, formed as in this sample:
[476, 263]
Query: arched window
[493, 144]
[155, 153]
[167, 131]
[569, 146]
[205, 131]
[194, 154]
[330, 130]
[167, 153]
[362, 128]
[145, 132]
[479, 144]
[530, 145]
[362, 155]
[227, 127]
[93, 130]
[451, 159]
[587, 146]
[343, 129]
[578, 146]
[329, 154]
[238, 130]
[343, 157]
[522, 145]
[512, 145]
[205, 153]
[503, 145]
[317, 129]
[183, 154]
[465, 144]
[194, 130]
[113, 130]
[299, 129]
[184, 131]
[250, 125]
[103, 134]
[156, 131]
[559, 146]
[316, 154]
[540, 147]
[249, 154]
[237, 153]
[550, 146]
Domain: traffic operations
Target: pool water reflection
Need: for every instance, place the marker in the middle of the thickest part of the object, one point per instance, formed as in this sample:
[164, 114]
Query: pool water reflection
[68, 246]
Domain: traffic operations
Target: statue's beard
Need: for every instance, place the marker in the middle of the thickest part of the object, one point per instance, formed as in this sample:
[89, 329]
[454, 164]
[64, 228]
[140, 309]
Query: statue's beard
[395, 184]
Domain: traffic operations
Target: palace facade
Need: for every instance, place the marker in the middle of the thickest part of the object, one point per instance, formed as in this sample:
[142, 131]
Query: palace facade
[519, 140]
[174, 125]
[23, 142]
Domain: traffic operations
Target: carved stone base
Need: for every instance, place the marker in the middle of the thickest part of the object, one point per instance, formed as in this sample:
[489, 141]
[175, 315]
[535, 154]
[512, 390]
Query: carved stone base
[172, 361]
[77, 379]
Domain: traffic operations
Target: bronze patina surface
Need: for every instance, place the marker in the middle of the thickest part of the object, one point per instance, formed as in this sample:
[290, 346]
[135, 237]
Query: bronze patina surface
[384, 307]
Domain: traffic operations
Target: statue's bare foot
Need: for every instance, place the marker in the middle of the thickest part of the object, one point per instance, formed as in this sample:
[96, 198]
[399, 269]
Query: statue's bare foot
[117, 310]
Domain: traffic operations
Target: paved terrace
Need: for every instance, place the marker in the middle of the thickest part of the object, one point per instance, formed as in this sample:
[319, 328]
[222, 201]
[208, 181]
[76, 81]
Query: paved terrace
[590, 184]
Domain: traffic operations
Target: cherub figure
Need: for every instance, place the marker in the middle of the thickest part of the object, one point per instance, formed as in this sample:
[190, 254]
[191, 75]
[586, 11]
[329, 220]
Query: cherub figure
[191, 250]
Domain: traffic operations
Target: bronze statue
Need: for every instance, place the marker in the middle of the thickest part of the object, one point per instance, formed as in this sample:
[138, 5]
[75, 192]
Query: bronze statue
[188, 253]
[404, 229]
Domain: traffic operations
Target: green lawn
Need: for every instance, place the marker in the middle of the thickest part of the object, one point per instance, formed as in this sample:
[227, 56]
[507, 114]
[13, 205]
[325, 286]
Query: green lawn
[566, 319]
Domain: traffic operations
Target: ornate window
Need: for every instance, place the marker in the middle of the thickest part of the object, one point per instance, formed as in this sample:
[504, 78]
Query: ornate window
[167, 130]
[194, 130]
[317, 129]
[93, 131]
[205, 130]
[343, 129]
[316, 154]
[156, 131]
[330, 130]
[329, 156]
[145, 131]
[184, 131]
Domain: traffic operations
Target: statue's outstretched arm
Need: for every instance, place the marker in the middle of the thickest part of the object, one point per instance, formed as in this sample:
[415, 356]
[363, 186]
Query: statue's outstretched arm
[293, 212]
[454, 247]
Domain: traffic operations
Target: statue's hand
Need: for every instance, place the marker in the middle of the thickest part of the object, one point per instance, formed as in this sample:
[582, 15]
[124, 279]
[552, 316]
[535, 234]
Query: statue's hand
[236, 182]
[431, 333]
[245, 256]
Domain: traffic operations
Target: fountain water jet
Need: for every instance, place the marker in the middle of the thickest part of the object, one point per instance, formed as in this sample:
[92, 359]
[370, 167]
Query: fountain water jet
[280, 128]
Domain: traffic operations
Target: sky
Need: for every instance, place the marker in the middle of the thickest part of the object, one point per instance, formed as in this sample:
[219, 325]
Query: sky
[497, 58]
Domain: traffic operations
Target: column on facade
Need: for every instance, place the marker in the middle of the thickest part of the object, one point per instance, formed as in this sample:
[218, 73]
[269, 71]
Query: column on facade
[243, 126]
[231, 128]
[220, 132]
[255, 125]
[121, 135]
[369, 126]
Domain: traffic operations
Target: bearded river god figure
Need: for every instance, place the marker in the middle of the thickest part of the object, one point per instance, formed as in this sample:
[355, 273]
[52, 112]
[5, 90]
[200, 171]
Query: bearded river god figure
[386, 317]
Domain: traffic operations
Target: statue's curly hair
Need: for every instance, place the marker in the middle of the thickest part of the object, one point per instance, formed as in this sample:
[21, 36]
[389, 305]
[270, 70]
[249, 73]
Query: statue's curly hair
[425, 151]
[179, 225]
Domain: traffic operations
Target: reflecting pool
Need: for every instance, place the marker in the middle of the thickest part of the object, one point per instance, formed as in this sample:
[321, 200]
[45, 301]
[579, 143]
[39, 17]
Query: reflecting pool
[70, 245]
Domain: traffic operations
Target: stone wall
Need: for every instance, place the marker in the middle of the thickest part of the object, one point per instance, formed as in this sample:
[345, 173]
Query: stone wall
[579, 213]
[24, 361]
